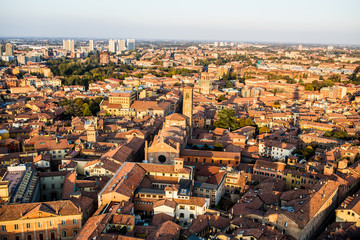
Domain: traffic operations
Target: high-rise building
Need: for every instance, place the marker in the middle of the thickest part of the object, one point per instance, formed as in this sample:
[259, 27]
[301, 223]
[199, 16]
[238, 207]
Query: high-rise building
[69, 45]
[91, 45]
[104, 58]
[9, 49]
[131, 44]
[188, 105]
[122, 45]
[335, 92]
[0, 49]
[112, 45]
[22, 59]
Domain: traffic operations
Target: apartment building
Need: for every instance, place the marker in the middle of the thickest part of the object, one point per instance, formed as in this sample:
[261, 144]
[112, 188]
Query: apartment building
[46, 220]
[335, 92]
[274, 149]
[269, 169]
[302, 218]
[349, 210]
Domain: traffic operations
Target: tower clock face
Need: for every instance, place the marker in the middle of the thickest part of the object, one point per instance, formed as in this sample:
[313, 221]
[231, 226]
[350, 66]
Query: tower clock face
[187, 96]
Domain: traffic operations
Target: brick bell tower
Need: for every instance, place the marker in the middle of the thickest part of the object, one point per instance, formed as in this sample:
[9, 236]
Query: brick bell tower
[188, 106]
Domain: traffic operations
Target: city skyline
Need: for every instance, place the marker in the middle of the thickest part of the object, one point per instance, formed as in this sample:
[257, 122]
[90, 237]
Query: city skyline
[326, 22]
[243, 135]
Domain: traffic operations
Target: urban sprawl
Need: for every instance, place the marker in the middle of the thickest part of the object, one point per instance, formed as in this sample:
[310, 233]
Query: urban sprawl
[108, 139]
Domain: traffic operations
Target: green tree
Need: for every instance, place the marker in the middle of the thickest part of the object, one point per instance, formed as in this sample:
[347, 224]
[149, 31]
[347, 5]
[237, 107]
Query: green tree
[309, 87]
[72, 110]
[229, 84]
[221, 98]
[233, 76]
[218, 146]
[248, 122]
[139, 75]
[309, 152]
[79, 102]
[276, 104]
[86, 110]
[227, 120]
[98, 100]
[277, 90]
[205, 147]
[316, 85]
[327, 83]
[245, 122]
[335, 78]
[338, 134]
[94, 107]
[264, 130]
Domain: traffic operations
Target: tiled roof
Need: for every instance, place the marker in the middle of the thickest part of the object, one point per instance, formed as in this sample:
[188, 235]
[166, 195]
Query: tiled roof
[165, 202]
[69, 185]
[94, 227]
[166, 231]
[204, 221]
[126, 180]
[176, 117]
[123, 219]
[14, 212]
[121, 154]
[150, 105]
[351, 203]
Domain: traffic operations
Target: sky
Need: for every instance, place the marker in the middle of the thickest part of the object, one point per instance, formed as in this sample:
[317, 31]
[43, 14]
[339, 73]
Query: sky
[282, 21]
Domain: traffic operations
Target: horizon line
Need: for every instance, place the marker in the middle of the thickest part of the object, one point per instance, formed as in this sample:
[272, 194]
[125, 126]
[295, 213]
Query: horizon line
[184, 40]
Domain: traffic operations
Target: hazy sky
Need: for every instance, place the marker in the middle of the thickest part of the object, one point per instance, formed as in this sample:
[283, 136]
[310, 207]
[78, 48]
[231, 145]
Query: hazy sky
[306, 21]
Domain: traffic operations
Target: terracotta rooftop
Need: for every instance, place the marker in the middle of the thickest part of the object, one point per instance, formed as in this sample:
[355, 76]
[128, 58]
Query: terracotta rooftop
[15, 212]
[167, 230]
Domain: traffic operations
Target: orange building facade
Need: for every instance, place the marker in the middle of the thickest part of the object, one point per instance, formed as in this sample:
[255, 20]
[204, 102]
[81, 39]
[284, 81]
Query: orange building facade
[40, 221]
